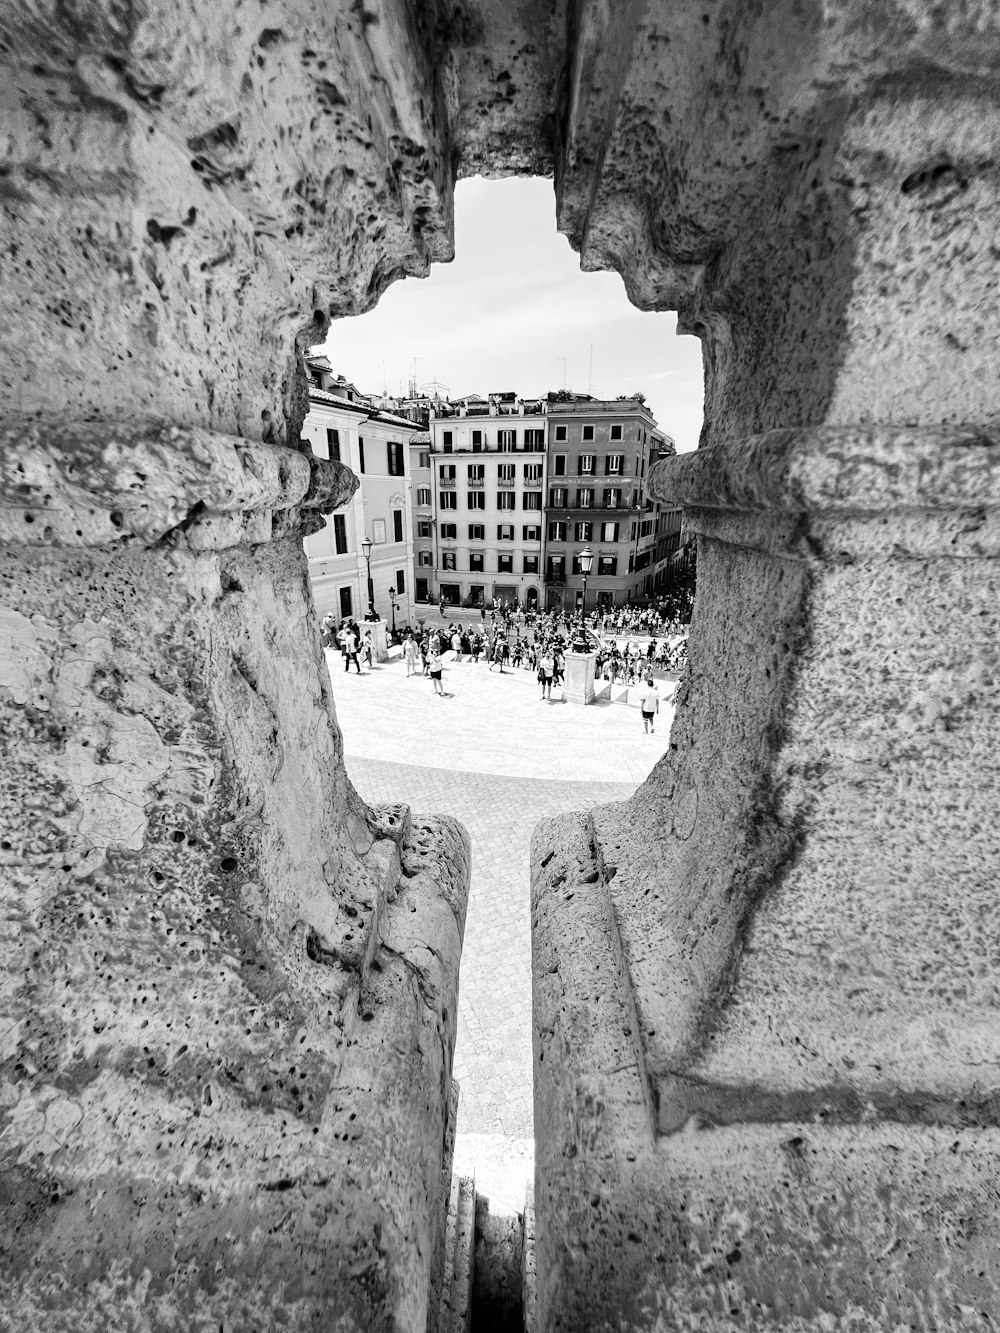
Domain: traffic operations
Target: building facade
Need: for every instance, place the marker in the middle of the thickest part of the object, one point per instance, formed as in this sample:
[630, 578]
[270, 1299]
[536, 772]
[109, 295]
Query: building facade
[345, 426]
[487, 483]
[598, 456]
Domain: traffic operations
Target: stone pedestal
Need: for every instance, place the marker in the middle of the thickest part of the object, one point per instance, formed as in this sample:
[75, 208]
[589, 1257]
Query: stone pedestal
[578, 686]
[380, 637]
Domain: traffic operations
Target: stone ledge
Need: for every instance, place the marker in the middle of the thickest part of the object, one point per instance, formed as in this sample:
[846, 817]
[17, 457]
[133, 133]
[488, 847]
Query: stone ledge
[850, 469]
[95, 485]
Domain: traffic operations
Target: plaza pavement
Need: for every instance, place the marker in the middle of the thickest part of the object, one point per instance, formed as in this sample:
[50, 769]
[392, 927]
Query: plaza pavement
[499, 759]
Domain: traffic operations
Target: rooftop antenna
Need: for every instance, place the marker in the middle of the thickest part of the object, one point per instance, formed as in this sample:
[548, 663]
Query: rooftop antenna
[563, 360]
[413, 380]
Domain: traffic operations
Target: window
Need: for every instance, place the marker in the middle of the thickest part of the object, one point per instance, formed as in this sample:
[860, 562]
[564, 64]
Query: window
[333, 443]
[477, 441]
[531, 500]
[477, 532]
[534, 439]
[476, 562]
[505, 563]
[505, 532]
[448, 500]
[449, 530]
[532, 532]
[397, 525]
[616, 432]
[585, 497]
[613, 465]
[612, 497]
[557, 532]
[424, 558]
[559, 465]
[585, 465]
[394, 457]
[555, 569]
[532, 472]
[505, 499]
[558, 497]
[584, 532]
[423, 527]
[607, 564]
[424, 459]
[378, 531]
[587, 433]
[506, 471]
[478, 594]
[447, 440]
[346, 608]
[631, 533]
[476, 471]
[400, 580]
[446, 471]
[340, 533]
[476, 499]
[531, 564]
[560, 432]
[361, 454]
[422, 590]
[448, 560]
[506, 440]
[609, 532]
[423, 495]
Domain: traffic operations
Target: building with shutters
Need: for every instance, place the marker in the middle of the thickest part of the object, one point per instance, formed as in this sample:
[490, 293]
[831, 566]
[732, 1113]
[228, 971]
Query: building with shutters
[484, 485]
[598, 456]
[345, 425]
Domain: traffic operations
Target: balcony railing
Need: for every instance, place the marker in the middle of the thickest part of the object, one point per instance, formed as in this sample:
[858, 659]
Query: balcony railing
[448, 482]
[504, 484]
[477, 483]
[532, 485]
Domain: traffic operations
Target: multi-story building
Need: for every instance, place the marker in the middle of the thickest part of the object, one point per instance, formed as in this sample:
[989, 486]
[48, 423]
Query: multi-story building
[487, 484]
[344, 425]
[598, 456]
[424, 518]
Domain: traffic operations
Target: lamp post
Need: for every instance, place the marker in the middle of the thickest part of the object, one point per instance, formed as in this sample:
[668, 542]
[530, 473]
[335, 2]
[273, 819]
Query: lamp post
[366, 547]
[586, 562]
[393, 603]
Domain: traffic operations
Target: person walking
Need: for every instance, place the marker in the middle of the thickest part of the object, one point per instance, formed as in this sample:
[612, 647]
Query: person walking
[434, 668]
[410, 653]
[456, 645]
[649, 702]
[350, 646]
[546, 667]
[367, 651]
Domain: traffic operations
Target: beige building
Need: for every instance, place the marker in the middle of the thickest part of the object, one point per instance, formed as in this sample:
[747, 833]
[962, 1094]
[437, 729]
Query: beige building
[345, 426]
[487, 483]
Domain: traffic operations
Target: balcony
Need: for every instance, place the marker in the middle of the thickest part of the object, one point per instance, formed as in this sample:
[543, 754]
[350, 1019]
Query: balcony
[448, 483]
[530, 485]
[506, 485]
[476, 483]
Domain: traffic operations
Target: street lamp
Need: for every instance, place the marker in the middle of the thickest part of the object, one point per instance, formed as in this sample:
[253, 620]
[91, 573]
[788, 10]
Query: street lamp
[394, 604]
[586, 562]
[366, 548]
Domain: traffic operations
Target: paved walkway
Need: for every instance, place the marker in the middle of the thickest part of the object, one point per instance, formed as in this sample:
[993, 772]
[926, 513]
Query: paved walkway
[495, 756]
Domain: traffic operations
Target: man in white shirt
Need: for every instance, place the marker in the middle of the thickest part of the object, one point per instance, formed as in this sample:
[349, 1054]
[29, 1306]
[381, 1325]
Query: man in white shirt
[649, 702]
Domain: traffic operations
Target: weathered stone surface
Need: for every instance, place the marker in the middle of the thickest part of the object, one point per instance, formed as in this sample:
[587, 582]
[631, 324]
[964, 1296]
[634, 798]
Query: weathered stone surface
[792, 920]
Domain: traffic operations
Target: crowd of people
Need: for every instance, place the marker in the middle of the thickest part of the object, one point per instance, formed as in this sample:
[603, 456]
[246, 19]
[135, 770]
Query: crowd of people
[509, 639]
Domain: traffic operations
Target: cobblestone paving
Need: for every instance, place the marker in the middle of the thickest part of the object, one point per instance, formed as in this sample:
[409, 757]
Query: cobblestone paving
[493, 1054]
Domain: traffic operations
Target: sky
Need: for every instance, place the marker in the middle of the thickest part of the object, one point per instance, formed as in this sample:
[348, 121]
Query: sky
[509, 308]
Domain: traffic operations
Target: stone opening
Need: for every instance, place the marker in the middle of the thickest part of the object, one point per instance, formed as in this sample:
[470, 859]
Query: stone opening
[766, 1048]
